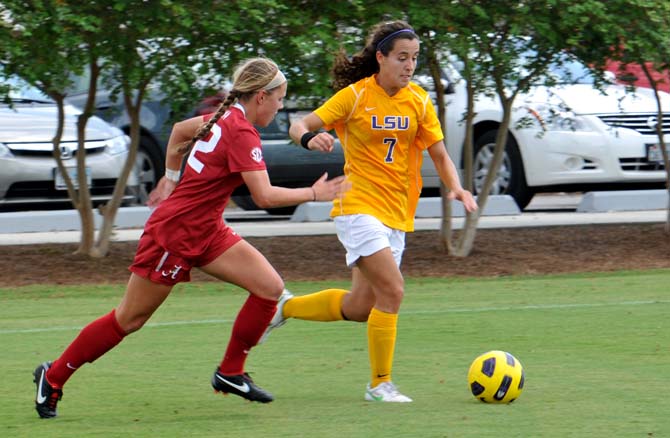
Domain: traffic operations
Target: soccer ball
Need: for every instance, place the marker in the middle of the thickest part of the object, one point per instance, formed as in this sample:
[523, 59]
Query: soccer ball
[496, 377]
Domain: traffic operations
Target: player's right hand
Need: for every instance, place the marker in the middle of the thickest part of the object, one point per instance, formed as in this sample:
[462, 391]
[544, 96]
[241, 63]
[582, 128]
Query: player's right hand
[163, 189]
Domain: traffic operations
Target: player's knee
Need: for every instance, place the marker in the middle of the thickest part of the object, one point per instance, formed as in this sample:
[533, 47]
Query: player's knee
[271, 290]
[395, 294]
[130, 325]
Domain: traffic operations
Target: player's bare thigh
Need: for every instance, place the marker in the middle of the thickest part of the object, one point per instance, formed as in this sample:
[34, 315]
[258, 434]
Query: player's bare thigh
[384, 279]
[376, 281]
[244, 266]
[140, 301]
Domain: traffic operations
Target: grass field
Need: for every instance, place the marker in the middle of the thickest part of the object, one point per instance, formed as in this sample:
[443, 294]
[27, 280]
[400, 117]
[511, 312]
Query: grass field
[595, 348]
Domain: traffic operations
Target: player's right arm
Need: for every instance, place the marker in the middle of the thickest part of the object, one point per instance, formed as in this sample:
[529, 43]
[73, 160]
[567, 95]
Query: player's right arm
[322, 141]
[182, 133]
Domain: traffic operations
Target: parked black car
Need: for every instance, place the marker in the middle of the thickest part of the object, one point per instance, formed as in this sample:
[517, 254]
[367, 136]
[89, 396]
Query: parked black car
[289, 165]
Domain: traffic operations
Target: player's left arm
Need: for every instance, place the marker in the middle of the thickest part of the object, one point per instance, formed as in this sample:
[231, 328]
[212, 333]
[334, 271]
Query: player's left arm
[449, 175]
[266, 195]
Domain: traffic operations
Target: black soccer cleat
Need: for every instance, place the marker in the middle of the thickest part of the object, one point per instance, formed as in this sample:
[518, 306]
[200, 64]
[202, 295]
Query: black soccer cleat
[242, 385]
[47, 397]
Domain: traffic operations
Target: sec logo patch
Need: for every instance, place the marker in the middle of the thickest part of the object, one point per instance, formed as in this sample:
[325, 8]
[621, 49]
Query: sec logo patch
[257, 154]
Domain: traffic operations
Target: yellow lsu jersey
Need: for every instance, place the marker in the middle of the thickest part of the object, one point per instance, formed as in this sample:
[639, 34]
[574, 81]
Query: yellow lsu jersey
[383, 138]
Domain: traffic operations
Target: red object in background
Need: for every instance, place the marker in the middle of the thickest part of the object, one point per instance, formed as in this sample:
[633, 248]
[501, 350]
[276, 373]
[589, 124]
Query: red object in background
[634, 71]
[210, 104]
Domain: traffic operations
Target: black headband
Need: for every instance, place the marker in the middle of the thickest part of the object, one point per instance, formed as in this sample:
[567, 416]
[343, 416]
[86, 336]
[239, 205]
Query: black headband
[391, 35]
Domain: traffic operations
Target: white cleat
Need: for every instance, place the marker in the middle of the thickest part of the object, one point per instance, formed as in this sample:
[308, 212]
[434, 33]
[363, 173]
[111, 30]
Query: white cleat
[278, 320]
[385, 392]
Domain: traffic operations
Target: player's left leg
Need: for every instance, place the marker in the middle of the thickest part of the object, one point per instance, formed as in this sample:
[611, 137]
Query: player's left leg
[382, 273]
[244, 266]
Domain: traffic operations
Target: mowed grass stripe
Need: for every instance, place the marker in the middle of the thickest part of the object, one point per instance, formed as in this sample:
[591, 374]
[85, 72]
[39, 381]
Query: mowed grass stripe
[408, 312]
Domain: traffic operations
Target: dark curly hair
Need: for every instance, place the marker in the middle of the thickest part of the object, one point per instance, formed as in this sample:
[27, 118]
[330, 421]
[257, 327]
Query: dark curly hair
[381, 37]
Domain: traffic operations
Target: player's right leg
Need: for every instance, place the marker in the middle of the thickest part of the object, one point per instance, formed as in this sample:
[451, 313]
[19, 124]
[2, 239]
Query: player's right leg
[324, 306]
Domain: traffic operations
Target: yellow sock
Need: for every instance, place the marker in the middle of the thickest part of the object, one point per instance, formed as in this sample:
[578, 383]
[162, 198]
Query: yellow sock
[382, 329]
[325, 305]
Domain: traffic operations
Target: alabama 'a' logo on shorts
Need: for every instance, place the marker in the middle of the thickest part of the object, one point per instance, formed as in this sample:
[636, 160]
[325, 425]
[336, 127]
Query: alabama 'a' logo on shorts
[171, 269]
[172, 273]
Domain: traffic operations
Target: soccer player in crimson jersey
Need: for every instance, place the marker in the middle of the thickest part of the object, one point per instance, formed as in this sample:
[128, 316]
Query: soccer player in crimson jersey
[384, 122]
[187, 230]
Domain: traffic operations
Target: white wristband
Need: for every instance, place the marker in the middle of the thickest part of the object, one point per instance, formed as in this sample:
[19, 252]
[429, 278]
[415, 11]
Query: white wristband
[172, 175]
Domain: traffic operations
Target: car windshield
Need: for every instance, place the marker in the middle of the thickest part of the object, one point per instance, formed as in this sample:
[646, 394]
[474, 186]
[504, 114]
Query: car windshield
[569, 70]
[277, 129]
[565, 70]
[21, 91]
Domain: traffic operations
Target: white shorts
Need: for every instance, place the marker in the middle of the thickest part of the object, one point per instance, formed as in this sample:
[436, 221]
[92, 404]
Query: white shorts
[363, 235]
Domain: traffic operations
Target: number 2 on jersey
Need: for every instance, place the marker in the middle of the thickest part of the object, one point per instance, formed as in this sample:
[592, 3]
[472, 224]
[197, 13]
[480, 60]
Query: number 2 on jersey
[391, 142]
[204, 147]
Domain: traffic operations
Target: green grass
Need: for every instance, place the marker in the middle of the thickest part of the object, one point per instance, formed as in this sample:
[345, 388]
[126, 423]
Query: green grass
[595, 350]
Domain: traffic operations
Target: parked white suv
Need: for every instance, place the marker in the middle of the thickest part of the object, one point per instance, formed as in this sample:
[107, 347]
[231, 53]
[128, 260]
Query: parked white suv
[28, 173]
[575, 138]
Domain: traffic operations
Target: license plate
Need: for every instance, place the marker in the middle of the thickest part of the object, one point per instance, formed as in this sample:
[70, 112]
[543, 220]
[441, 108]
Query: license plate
[655, 154]
[72, 171]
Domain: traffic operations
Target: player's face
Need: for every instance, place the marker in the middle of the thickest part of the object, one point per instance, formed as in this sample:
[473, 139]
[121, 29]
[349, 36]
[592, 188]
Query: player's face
[396, 69]
[270, 102]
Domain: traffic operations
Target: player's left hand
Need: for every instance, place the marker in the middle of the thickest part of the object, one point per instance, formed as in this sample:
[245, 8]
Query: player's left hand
[466, 198]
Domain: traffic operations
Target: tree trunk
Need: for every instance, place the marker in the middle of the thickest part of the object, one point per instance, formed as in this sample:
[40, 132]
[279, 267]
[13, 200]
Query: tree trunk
[446, 231]
[467, 238]
[661, 138]
[110, 209]
[84, 203]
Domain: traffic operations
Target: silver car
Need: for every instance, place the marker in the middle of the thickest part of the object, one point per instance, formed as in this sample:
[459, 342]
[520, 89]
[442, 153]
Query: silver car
[29, 176]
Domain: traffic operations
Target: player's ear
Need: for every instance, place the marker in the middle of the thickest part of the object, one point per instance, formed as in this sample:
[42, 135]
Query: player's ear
[260, 97]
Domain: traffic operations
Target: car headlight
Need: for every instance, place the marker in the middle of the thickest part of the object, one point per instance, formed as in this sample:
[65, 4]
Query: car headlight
[118, 145]
[4, 151]
[555, 118]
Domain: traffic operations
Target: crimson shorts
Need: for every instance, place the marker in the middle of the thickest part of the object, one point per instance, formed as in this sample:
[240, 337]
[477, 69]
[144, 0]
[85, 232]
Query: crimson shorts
[155, 263]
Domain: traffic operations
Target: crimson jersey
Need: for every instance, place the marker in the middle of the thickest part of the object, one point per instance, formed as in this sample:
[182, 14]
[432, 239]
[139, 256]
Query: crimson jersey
[185, 222]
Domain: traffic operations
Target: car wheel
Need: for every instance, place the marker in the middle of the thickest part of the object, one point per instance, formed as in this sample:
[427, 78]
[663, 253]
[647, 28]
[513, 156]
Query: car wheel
[281, 211]
[149, 167]
[511, 179]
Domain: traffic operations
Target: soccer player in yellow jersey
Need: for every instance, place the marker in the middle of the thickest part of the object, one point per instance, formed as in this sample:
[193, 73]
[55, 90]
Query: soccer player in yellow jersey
[384, 123]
